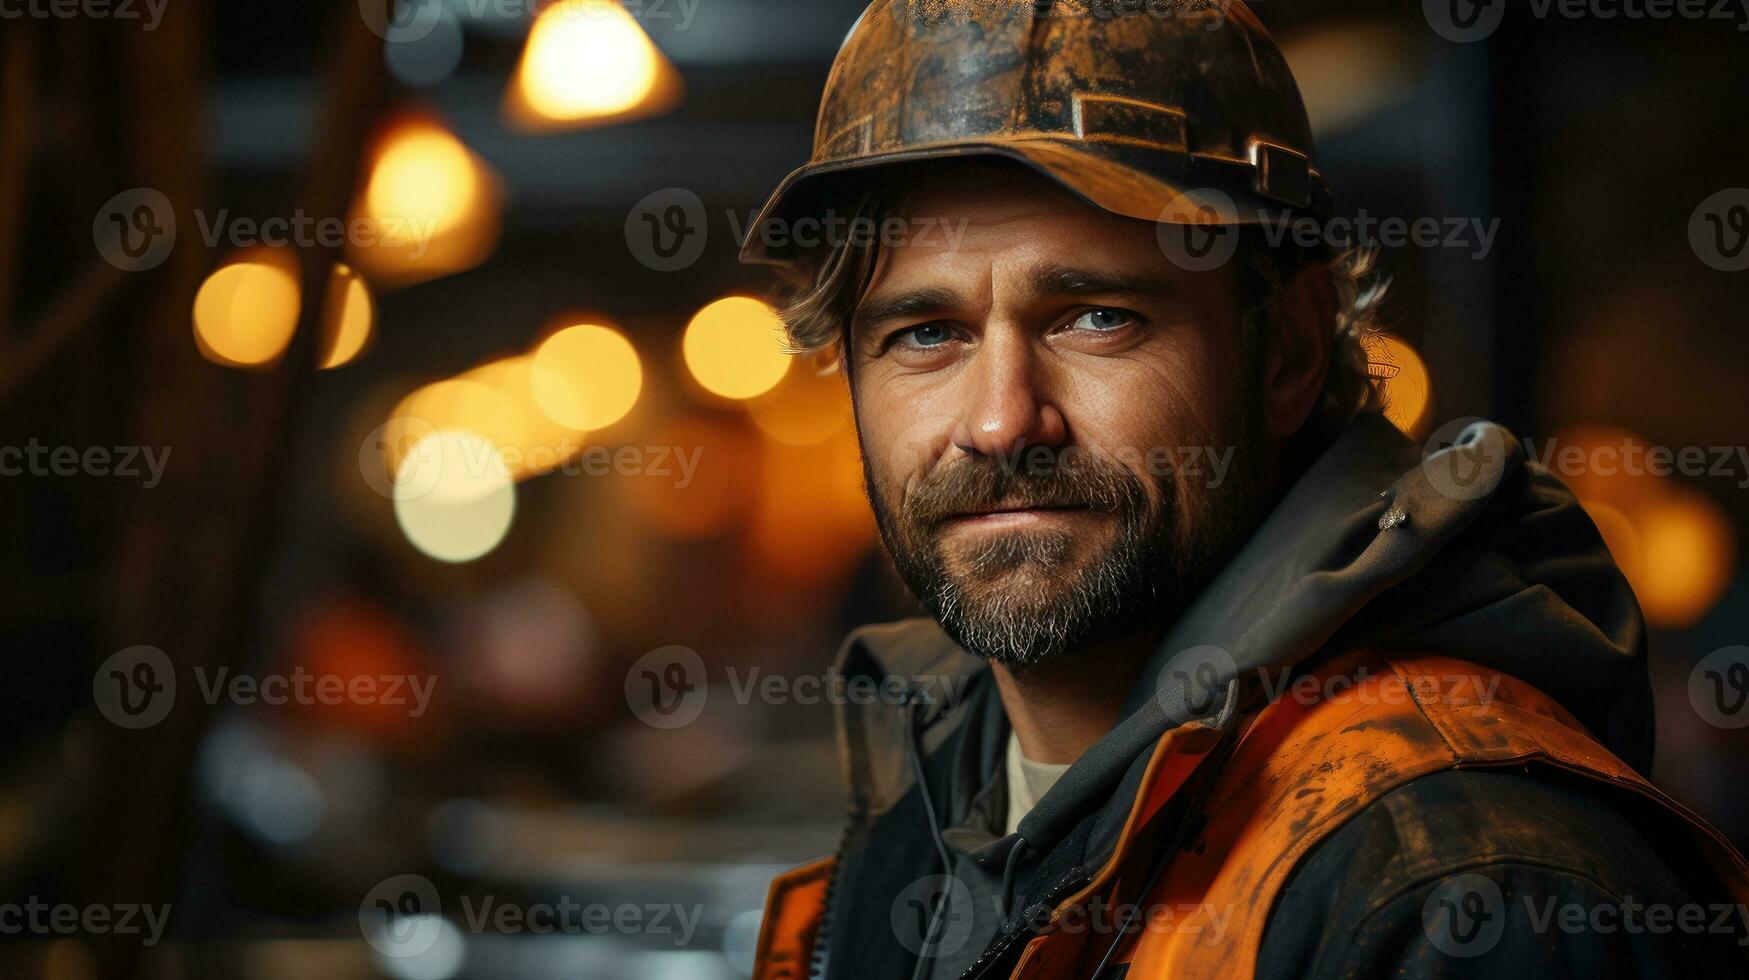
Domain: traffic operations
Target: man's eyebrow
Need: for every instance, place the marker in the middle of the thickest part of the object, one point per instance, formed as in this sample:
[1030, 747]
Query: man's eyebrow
[1061, 280]
[906, 305]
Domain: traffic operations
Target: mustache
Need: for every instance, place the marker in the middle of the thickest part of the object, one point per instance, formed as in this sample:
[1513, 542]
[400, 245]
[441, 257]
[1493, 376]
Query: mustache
[980, 484]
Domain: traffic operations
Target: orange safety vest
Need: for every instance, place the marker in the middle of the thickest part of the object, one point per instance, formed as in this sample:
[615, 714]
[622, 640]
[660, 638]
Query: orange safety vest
[1302, 767]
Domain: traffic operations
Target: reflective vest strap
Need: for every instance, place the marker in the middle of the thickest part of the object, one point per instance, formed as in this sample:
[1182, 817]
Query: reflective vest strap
[1304, 769]
[1520, 723]
[792, 917]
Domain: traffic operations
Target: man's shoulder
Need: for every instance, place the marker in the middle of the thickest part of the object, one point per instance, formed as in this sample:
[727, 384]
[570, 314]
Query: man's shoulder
[1497, 873]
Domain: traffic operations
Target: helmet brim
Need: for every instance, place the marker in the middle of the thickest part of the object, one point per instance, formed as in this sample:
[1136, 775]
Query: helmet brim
[1123, 180]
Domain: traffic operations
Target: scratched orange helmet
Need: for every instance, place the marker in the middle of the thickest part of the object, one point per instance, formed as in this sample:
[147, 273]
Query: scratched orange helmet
[1176, 111]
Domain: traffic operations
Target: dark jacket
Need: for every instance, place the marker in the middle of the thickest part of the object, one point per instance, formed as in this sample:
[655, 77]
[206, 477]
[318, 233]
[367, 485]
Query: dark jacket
[1492, 562]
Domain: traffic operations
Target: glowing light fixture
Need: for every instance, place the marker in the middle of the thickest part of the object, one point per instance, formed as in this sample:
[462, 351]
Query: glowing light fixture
[586, 376]
[588, 62]
[734, 348]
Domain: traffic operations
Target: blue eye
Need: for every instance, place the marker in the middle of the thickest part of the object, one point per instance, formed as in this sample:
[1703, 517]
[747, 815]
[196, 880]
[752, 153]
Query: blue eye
[927, 335]
[1102, 320]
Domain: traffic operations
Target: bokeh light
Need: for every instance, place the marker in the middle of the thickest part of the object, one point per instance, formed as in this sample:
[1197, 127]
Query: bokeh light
[457, 499]
[530, 441]
[461, 404]
[711, 490]
[1408, 388]
[246, 312]
[808, 406]
[588, 61]
[348, 318]
[734, 348]
[1688, 557]
[1673, 543]
[430, 207]
[812, 521]
[586, 376]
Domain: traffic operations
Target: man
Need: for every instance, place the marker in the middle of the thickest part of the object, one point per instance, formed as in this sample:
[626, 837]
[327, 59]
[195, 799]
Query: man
[1240, 685]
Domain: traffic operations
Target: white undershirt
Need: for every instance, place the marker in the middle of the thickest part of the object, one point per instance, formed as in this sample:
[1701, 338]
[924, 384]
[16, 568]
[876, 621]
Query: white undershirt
[1028, 781]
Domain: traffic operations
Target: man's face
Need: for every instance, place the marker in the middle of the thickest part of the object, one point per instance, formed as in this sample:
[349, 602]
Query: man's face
[1060, 428]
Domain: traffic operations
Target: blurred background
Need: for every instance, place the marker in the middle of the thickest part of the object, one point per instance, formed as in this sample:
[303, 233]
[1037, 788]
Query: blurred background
[265, 268]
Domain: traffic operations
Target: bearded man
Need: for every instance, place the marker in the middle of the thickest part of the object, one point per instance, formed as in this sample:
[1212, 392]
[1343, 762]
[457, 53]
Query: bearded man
[1244, 684]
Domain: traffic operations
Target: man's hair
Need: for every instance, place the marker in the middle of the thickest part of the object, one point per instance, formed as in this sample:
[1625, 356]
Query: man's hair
[819, 296]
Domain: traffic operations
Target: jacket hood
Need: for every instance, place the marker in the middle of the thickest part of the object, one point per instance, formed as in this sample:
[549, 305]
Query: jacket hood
[1473, 552]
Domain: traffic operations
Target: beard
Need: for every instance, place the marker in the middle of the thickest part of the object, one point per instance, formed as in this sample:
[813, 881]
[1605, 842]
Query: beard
[1035, 596]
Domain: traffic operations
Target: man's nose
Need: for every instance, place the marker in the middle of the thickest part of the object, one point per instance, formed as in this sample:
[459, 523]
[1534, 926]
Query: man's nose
[1008, 408]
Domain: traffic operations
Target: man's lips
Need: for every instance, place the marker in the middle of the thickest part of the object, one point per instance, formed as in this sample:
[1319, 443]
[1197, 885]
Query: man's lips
[1015, 513]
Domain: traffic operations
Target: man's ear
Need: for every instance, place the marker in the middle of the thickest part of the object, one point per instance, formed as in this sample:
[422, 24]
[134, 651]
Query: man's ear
[1297, 348]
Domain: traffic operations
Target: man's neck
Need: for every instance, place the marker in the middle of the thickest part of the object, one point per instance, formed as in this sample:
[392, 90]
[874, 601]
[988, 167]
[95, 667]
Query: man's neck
[1058, 710]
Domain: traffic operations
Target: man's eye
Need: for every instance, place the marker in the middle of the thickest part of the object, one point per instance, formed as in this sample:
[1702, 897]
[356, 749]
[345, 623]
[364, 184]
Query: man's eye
[925, 335]
[1102, 320]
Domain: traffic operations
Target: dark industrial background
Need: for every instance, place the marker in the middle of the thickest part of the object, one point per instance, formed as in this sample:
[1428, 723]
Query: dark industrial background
[1597, 318]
